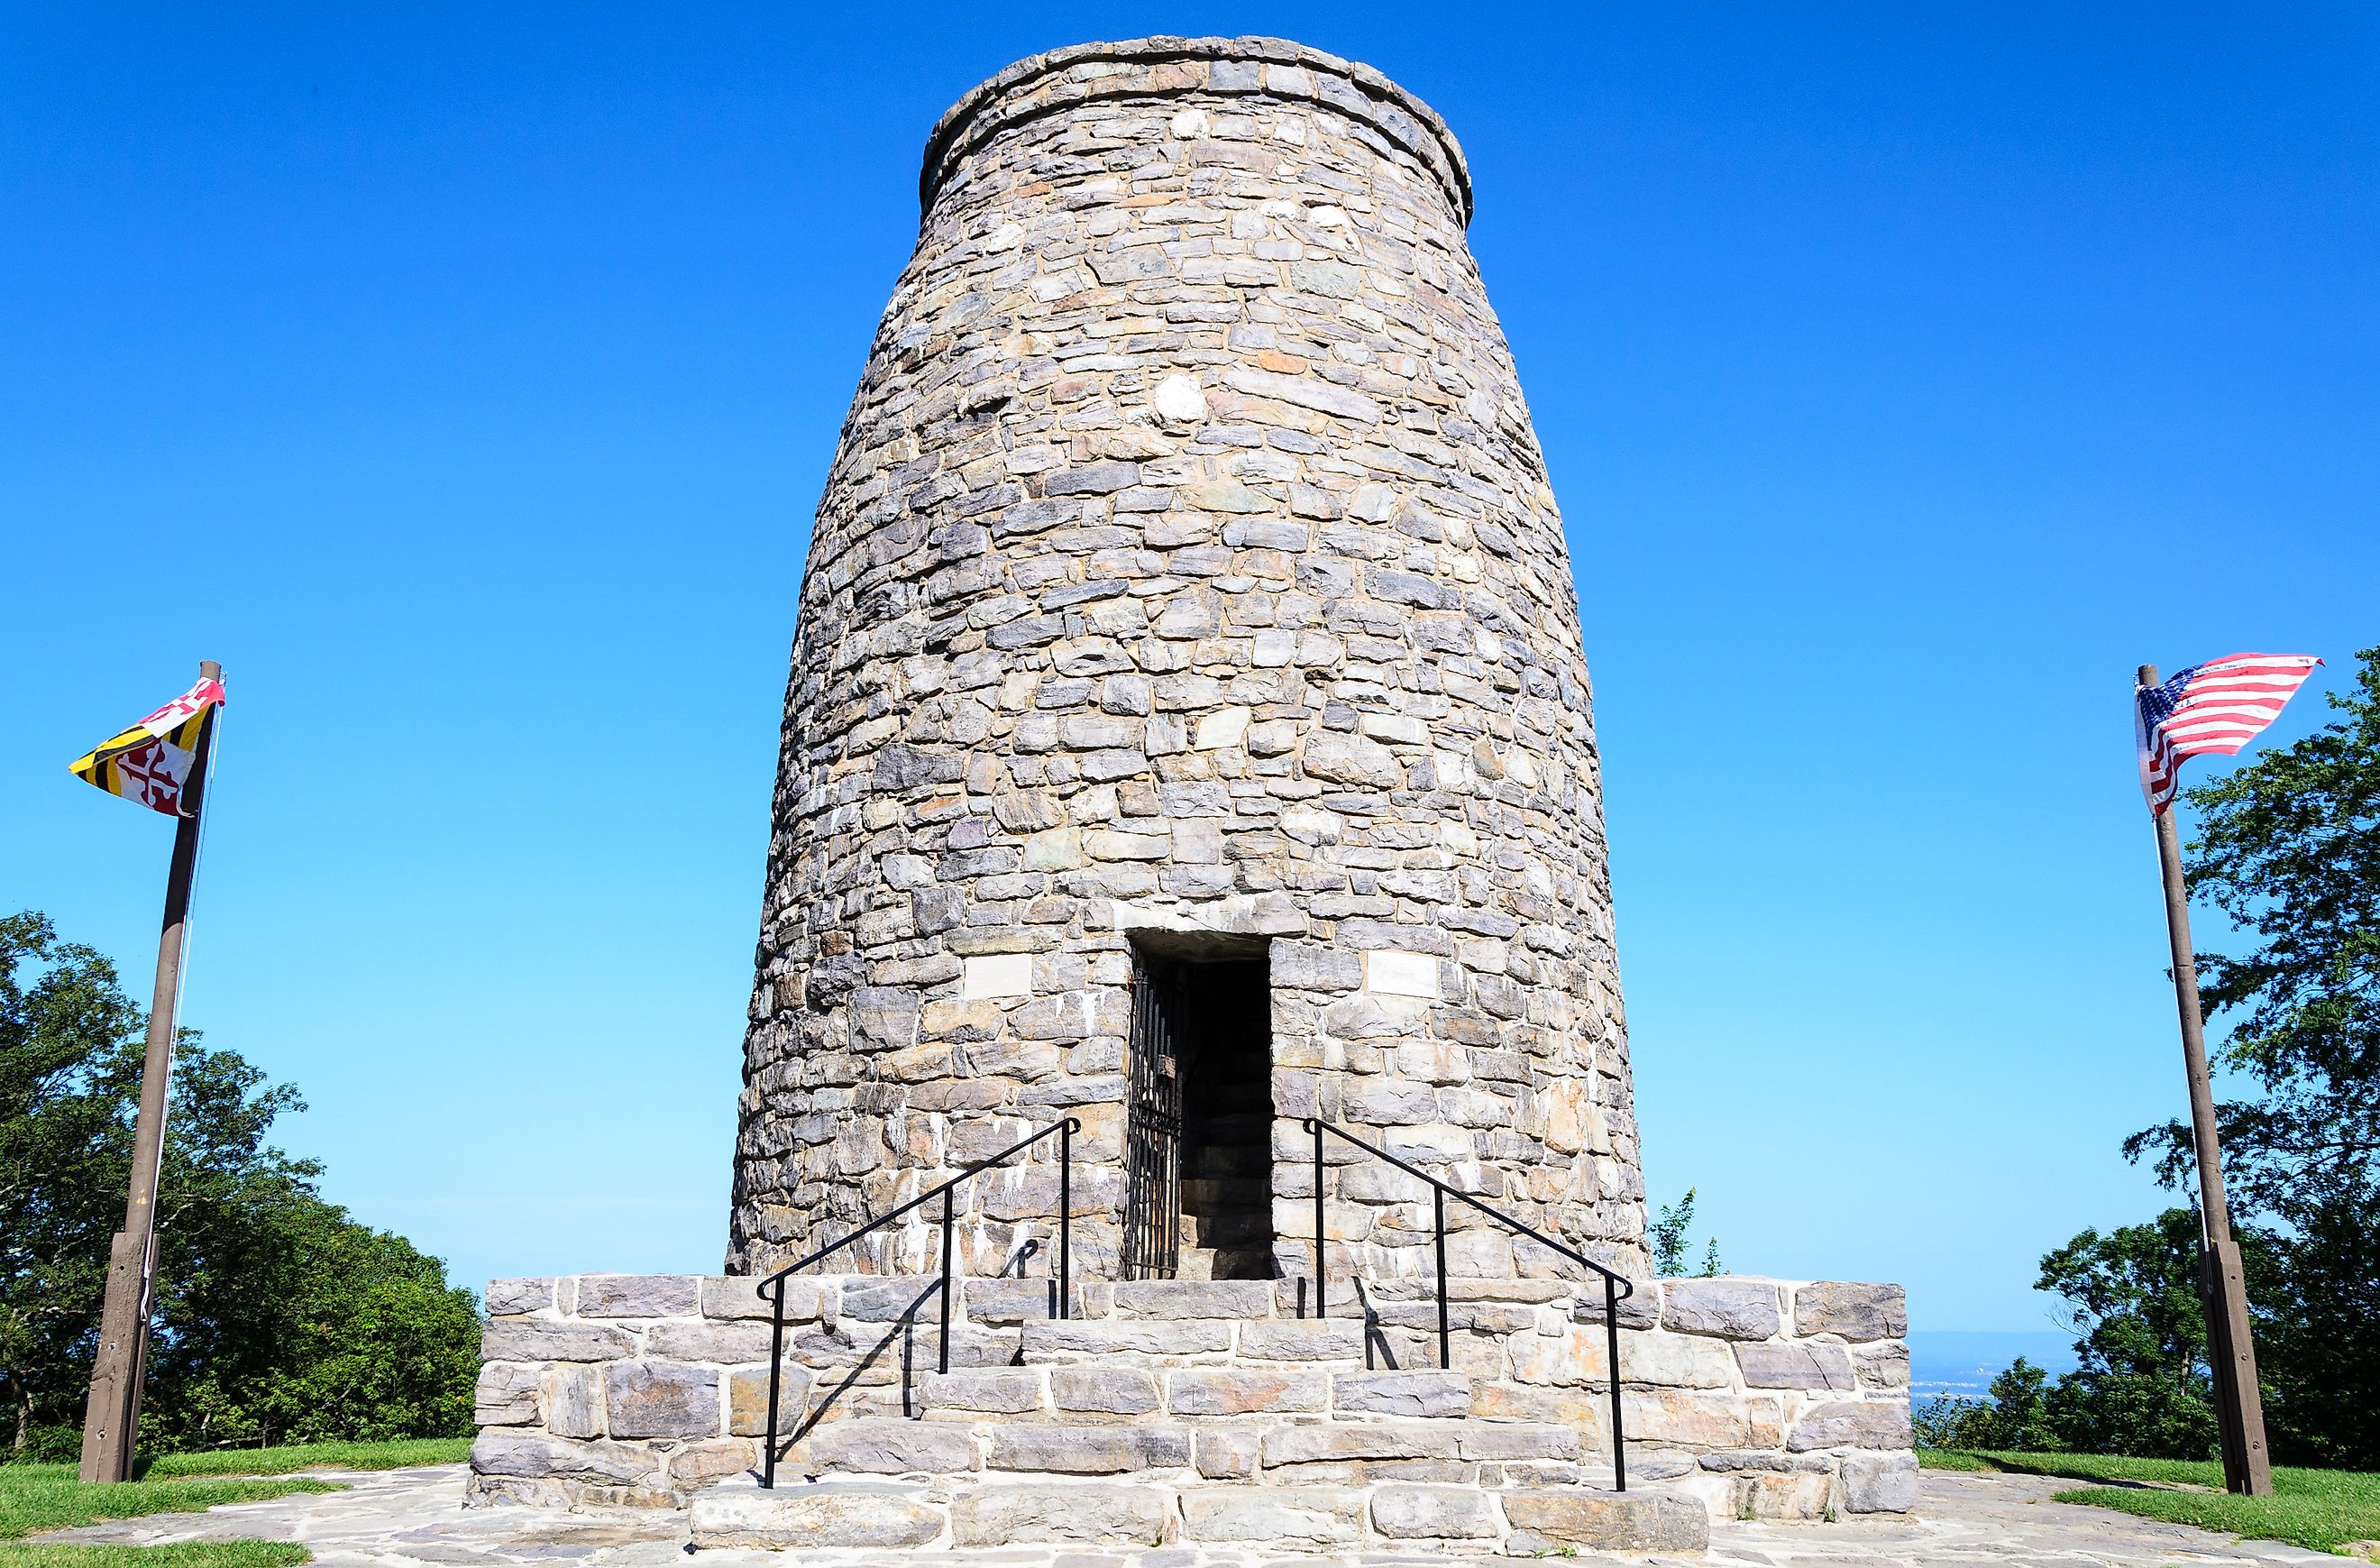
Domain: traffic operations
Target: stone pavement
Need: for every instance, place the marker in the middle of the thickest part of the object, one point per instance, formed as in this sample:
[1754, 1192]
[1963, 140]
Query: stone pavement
[416, 1516]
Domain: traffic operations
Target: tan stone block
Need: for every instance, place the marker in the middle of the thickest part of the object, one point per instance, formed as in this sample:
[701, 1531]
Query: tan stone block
[715, 1460]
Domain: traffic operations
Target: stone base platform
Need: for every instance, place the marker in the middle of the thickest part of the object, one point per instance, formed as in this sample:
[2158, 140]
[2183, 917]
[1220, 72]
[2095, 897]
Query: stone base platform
[1390, 1515]
[1202, 1399]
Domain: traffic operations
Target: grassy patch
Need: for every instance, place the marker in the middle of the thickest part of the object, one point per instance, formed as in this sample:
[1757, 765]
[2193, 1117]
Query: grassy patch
[48, 1497]
[2320, 1514]
[1951, 1459]
[182, 1554]
[2205, 1473]
[311, 1457]
[2319, 1509]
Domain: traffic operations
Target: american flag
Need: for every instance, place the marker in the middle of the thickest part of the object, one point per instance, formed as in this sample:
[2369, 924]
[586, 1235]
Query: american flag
[2217, 707]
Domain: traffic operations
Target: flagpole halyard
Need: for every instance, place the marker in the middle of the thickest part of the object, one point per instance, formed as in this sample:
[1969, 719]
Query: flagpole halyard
[111, 1415]
[2230, 1342]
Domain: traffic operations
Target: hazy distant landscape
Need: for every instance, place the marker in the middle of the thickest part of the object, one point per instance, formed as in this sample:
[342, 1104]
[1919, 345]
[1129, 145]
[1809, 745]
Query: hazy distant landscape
[1963, 1363]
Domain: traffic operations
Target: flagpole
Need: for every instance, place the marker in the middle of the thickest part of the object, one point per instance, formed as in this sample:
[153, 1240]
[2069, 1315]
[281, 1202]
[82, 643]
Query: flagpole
[2231, 1346]
[111, 1418]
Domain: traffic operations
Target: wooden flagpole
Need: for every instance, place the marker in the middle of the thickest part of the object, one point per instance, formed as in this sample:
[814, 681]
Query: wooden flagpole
[111, 1419]
[2230, 1347]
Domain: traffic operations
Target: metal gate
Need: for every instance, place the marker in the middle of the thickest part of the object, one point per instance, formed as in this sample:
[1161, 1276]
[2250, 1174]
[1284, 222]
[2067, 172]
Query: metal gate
[1152, 1204]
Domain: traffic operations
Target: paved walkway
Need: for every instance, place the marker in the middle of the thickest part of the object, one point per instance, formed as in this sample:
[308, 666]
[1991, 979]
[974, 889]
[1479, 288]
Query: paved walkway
[416, 1516]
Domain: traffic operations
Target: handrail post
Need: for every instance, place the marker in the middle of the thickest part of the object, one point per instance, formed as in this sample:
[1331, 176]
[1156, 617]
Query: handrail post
[776, 1374]
[1438, 1202]
[1611, 1343]
[1066, 1211]
[942, 1351]
[1321, 1269]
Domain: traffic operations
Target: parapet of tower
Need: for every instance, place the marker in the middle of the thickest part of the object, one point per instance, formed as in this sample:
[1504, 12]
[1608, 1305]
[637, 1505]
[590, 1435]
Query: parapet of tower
[1188, 727]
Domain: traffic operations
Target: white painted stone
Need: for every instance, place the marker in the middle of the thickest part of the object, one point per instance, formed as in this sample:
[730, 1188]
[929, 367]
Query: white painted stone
[997, 975]
[1401, 974]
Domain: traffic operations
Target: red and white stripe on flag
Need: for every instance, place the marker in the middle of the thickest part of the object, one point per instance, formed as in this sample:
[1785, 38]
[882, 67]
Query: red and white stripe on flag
[2215, 708]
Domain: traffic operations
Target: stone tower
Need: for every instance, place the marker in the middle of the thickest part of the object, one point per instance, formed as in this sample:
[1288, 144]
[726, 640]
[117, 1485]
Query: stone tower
[1188, 729]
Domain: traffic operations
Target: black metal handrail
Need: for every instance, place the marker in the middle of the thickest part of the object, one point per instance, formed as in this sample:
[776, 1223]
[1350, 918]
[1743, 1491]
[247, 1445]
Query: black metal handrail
[772, 1288]
[1615, 1284]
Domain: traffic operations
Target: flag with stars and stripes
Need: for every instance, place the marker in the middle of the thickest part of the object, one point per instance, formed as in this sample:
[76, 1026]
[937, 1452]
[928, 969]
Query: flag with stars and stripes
[2215, 708]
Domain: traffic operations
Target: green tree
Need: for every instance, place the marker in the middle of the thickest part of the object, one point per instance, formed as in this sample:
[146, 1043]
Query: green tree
[1668, 1235]
[276, 1316]
[2288, 850]
[2142, 1386]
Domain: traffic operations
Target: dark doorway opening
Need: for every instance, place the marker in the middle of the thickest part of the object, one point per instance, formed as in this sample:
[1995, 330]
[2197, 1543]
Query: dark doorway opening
[1198, 1155]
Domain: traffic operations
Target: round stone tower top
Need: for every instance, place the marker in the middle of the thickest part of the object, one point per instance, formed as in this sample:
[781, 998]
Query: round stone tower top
[1141, 67]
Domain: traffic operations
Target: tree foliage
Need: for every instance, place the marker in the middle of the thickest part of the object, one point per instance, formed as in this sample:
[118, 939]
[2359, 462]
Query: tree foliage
[277, 1318]
[1667, 1234]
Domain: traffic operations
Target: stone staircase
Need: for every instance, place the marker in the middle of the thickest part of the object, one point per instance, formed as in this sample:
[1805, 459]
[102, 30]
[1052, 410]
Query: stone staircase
[1195, 1411]
[1198, 1412]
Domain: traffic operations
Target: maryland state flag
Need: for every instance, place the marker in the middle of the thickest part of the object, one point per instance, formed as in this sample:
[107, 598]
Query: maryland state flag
[149, 763]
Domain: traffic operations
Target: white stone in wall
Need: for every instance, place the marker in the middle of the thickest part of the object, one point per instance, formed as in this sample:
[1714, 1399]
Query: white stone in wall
[1391, 973]
[998, 975]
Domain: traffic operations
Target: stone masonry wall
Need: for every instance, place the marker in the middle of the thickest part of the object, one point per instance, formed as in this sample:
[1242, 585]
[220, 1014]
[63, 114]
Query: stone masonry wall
[1187, 572]
[1775, 1398]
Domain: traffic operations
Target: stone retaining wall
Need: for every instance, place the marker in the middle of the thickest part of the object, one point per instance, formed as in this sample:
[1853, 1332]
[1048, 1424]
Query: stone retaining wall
[1767, 1397]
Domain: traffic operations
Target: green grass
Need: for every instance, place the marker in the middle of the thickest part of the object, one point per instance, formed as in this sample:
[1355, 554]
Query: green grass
[1950, 1459]
[48, 1497]
[311, 1457]
[2319, 1509]
[182, 1554]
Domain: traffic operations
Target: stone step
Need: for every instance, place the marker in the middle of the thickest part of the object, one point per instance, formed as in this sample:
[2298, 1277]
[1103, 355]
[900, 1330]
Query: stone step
[1097, 1391]
[1399, 1514]
[1104, 1423]
[1127, 1344]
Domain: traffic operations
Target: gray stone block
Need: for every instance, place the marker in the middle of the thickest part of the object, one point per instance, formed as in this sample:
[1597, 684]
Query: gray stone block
[570, 1398]
[1854, 1311]
[635, 1296]
[1400, 1393]
[1089, 1512]
[699, 1339]
[1432, 1513]
[1795, 1364]
[890, 1448]
[1881, 1364]
[1001, 1392]
[1734, 1309]
[1209, 1299]
[1513, 1440]
[1625, 1521]
[662, 1399]
[533, 1455]
[1851, 1424]
[732, 1296]
[505, 1395]
[1880, 1483]
[1099, 1391]
[1010, 1301]
[1226, 1453]
[1069, 1337]
[1087, 1450]
[507, 1297]
[1336, 1444]
[889, 1301]
[1328, 1339]
[535, 1339]
[1241, 1391]
[1299, 1515]
[801, 1518]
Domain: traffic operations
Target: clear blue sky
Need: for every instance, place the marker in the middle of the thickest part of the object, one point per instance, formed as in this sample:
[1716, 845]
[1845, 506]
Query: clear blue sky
[463, 378]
